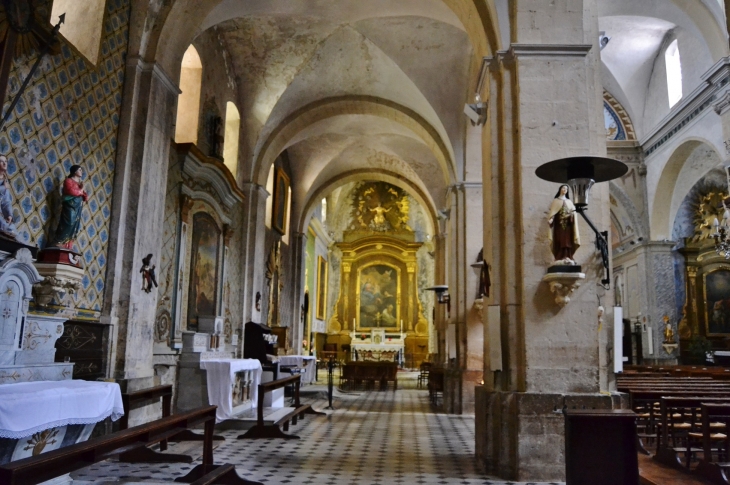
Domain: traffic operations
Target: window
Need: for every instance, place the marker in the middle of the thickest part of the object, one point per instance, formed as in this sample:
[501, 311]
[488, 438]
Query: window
[230, 142]
[285, 237]
[188, 103]
[270, 198]
[83, 26]
[324, 210]
[674, 73]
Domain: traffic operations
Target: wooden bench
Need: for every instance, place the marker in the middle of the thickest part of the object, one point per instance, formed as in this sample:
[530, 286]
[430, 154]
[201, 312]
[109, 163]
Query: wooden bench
[261, 430]
[43, 467]
[135, 398]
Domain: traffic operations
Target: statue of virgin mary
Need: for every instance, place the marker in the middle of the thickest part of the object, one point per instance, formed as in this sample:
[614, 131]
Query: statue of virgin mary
[564, 237]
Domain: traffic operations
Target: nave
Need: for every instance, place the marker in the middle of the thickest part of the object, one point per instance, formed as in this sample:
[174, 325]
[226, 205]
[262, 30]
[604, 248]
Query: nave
[373, 437]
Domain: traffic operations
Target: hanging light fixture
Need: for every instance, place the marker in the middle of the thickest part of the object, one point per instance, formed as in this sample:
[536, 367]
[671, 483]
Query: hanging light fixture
[581, 173]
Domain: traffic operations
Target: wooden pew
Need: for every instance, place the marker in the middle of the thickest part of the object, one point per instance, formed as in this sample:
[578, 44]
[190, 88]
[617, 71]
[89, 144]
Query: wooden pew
[713, 470]
[355, 373]
[260, 430]
[43, 467]
[134, 398]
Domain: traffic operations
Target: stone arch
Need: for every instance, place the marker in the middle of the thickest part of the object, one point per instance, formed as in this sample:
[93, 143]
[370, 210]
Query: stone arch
[315, 195]
[625, 212]
[351, 105]
[167, 32]
[665, 205]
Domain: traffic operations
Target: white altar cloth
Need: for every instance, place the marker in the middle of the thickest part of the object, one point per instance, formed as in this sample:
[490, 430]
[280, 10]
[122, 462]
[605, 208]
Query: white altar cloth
[221, 379]
[307, 362]
[30, 407]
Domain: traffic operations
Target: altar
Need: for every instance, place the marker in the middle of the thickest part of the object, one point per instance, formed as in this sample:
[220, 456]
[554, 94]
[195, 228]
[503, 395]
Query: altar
[41, 416]
[377, 346]
[233, 385]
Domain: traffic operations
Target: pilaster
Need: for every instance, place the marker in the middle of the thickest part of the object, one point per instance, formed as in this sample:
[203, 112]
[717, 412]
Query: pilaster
[143, 154]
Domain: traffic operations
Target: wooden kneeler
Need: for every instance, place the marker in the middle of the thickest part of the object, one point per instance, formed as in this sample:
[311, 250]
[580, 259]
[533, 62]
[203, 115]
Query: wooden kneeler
[261, 430]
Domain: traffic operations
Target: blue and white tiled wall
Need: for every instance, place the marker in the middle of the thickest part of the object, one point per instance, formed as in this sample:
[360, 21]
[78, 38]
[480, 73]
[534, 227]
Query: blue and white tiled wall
[68, 115]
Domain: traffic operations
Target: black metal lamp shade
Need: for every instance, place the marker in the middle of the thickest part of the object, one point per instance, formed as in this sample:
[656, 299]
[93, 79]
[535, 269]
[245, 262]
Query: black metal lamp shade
[581, 173]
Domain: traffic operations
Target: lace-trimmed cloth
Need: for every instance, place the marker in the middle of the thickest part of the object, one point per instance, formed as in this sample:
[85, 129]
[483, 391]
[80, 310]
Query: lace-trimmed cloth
[30, 407]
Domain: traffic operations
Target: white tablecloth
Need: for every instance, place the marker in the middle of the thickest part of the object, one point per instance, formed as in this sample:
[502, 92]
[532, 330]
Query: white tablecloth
[30, 407]
[221, 379]
[307, 362]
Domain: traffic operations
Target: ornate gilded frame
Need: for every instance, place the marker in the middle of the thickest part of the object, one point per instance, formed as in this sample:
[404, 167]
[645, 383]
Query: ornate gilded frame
[707, 303]
[358, 287]
[321, 288]
[281, 200]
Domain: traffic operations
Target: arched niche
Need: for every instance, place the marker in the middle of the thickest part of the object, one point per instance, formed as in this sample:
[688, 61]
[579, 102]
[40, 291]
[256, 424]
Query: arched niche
[188, 103]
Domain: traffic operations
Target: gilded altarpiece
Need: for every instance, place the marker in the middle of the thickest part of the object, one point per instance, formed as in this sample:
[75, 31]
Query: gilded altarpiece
[378, 273]
[706, 311]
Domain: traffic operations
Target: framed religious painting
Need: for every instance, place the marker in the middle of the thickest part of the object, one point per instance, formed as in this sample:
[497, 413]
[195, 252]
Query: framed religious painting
[281, 200]
[203, 278]
[378, 288]
[717, 301]
[321, 287]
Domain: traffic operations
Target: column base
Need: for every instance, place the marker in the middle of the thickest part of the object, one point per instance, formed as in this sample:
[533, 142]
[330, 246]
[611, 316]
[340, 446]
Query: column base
[520, 436]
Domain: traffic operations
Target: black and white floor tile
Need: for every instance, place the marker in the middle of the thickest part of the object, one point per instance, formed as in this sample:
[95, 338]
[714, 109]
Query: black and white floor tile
[373, 438]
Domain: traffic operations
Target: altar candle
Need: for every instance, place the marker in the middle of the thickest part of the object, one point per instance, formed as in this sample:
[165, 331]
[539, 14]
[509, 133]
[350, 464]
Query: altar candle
[716, 223]
[401, 326]
[353, 324]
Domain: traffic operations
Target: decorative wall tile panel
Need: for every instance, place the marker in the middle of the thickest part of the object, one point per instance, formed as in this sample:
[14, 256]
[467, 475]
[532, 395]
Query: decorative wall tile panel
[68, 115]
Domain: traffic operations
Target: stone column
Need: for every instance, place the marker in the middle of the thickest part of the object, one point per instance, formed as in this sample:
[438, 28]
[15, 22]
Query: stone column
[254, 239]
[440, 320]
[138, 207]
[298, 251]
[552, 356]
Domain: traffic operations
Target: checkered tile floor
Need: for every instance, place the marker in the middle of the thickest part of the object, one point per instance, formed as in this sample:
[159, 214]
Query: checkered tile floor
[372, 438]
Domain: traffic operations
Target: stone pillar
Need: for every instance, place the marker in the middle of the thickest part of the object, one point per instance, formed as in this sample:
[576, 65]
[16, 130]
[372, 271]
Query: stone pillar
[298, 251]
[550, 84]
[440, 321]
[254, 239]
[138, 207]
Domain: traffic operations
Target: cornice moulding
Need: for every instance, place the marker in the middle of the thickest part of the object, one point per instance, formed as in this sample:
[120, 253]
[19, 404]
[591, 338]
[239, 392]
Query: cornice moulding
[550, 50]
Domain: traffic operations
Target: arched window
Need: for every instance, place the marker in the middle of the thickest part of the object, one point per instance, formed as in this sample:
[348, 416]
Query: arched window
[324, 210]
[188, 103]
[674, 73]
[285, 236]
[83, 26]
[230, 142]
[270, 199]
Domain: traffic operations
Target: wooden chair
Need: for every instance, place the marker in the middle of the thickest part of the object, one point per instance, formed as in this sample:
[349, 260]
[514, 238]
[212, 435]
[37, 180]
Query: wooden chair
[423, 375]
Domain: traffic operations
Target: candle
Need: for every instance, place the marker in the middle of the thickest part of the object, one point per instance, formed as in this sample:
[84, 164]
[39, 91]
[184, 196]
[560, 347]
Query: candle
[716, 223]
[353, 324]
[401, 326]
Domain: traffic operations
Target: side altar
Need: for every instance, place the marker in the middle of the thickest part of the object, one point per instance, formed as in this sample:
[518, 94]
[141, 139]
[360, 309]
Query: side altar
[378, 345]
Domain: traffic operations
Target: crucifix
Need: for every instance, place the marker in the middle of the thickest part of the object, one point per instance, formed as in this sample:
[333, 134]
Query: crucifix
[21, 33]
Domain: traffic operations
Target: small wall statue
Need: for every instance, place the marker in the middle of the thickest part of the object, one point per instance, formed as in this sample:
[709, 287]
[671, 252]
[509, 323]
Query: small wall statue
[148, 274]
[564, 236]
[7, 228]
[72, 203]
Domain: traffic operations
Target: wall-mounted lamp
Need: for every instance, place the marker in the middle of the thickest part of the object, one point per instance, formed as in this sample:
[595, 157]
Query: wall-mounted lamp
[442, 295]
[580, 173]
